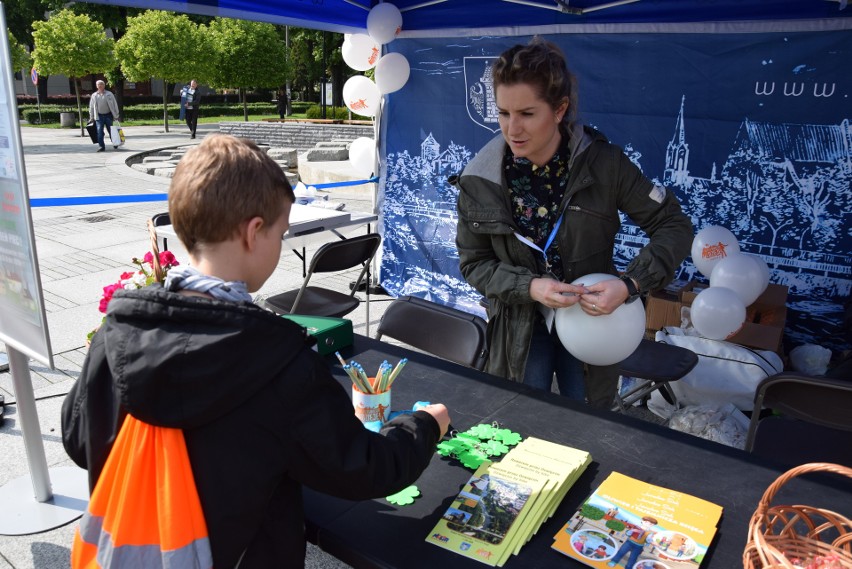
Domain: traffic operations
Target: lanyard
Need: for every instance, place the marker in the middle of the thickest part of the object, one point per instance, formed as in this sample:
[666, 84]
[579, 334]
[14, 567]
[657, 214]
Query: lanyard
[547, 265]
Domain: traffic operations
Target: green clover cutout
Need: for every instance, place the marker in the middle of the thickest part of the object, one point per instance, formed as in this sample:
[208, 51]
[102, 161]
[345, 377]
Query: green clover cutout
[404, 497]
[467, 436]
[481, 431]
[473, 459]
[453, 447]
[507, 437]
[493, 448]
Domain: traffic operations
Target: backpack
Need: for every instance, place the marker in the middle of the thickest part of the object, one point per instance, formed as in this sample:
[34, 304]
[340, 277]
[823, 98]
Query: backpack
[145, 510]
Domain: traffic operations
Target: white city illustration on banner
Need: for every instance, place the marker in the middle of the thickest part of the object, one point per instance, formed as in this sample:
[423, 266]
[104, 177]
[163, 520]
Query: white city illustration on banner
[783, 189]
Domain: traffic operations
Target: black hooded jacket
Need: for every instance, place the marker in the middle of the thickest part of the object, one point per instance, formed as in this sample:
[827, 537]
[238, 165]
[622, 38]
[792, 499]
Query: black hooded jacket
[260, 411]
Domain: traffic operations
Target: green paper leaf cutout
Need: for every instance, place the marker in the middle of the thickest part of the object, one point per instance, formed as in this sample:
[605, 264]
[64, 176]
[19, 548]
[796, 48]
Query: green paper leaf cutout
[445, 448]
[473, 459]
[405, 496]
[494, 448]
[482, 431]
[508, 437]
[466, 436]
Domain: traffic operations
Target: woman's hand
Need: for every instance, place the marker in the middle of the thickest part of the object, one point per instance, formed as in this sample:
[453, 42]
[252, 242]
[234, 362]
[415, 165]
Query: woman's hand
[441, 415]
[604, 297]
[554, 294]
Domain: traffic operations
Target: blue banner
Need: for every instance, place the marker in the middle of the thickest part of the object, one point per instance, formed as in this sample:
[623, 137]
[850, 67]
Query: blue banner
[750, 130]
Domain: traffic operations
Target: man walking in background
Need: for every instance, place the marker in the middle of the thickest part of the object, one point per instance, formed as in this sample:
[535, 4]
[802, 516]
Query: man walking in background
[190, 100]
[104, 109]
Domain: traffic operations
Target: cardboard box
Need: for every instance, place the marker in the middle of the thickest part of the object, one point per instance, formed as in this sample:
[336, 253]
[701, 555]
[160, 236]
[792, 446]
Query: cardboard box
[661, 309]
[765, 317]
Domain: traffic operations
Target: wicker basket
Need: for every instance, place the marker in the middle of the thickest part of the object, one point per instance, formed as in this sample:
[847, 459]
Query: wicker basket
[789, 537]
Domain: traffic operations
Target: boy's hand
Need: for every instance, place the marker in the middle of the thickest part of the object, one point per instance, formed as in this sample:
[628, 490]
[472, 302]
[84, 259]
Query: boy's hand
[440, 413]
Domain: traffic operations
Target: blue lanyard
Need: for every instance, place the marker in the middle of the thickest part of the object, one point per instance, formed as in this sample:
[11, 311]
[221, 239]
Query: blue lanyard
[548, 243]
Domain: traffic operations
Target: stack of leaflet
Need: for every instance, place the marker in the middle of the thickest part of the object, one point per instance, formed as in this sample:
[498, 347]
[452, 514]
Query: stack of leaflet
[504, 503]
[633, 524]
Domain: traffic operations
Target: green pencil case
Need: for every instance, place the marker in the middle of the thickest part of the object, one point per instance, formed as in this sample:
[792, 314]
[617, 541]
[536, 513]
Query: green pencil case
[331, 334]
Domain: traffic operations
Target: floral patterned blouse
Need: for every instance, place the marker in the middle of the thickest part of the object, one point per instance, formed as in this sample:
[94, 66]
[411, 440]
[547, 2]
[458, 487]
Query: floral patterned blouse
[536, 194]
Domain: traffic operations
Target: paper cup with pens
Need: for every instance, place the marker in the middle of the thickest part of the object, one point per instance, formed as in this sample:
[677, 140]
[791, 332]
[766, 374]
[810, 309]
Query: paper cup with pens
[371, 396]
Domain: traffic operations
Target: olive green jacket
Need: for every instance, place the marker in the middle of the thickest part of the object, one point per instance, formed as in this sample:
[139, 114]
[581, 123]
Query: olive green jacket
[602, 181]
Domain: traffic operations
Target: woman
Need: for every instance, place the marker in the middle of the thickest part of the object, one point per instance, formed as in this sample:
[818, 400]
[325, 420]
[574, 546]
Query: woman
[538, 208]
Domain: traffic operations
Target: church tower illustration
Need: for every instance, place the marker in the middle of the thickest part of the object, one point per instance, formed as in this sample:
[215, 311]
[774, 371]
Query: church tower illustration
[677, 155]
[490, 110]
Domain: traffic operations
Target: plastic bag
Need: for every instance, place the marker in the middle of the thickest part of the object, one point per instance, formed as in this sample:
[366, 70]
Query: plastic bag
[719, 423]
[810, 359]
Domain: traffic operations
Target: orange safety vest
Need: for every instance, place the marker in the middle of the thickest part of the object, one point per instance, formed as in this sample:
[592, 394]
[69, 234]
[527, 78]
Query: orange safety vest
[144, 512]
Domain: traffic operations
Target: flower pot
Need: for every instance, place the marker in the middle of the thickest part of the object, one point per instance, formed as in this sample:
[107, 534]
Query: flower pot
[67, 120]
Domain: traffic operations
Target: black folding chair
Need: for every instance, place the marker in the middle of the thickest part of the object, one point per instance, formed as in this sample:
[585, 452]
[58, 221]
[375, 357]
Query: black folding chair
[815, 421]
[656, 364]
[332, 257]
[442, 331]
[162, 219]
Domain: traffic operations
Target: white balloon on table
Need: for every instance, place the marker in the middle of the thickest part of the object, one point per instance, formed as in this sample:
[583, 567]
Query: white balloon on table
[384, 22]
[361, 95]
[605, 339]
[392, 72]
[740, 273]
[710, 245]
[717, 313]
[362, 155]
[360, 52]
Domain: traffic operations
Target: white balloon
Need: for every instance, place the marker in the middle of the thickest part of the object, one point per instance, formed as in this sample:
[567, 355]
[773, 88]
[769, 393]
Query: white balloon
[384, 22]
[741, 274]
[711, 245]
[361, 95]
[717, 313]
[601, 340]
[392, 72]
[360, 52]
[764, 270]
[362, 155]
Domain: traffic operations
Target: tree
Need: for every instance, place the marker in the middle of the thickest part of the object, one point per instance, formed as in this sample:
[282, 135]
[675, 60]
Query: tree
[72, 45]
[20, 58]
[306, 62]
[165, 45]
[246, 54]
[20, 16]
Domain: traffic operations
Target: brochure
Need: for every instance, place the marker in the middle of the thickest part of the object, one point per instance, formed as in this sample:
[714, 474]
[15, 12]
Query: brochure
[504, 504]
[632, 524]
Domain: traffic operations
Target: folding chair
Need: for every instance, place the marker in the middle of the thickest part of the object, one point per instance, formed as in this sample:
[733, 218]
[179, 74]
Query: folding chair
[815, 422]
[332, 257]
[442, 331]
[656, 364]
[162, 219]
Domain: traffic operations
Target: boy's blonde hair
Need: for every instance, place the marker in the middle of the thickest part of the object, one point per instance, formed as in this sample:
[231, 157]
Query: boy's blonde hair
[221, 183]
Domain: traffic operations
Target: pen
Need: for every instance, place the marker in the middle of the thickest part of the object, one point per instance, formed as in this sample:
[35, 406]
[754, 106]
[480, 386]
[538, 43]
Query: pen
[395, 373]
[340, 359]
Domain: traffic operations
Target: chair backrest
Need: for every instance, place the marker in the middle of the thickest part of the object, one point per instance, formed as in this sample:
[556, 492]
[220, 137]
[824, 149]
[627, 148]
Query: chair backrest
[159, 220]
[439, 330]
[821, 407]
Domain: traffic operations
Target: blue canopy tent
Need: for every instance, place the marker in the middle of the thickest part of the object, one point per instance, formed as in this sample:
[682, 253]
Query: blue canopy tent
[739, 106]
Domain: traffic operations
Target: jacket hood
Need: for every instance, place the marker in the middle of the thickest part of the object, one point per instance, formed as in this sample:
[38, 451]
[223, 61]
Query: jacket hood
[182, 361]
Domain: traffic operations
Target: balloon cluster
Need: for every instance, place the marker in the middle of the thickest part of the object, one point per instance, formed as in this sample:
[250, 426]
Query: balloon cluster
[363, 51]
[737, 279]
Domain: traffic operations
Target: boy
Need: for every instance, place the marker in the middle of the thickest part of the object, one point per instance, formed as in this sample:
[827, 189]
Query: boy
[260, 411]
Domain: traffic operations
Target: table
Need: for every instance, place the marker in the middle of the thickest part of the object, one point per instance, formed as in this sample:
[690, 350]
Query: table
[378, 534]
[306, 224]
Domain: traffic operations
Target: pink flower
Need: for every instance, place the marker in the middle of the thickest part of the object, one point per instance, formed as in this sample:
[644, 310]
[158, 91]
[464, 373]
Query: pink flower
[127, 275]
[108, 292]
[168, 259]
[148, 258]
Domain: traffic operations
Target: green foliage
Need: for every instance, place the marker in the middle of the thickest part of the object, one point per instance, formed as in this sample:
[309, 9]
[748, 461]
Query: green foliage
[616, 525]
[163, 45]
[592, 512]
[338, 113]
[246, 54]
[20, 57]
[71, 45]
[50, 113]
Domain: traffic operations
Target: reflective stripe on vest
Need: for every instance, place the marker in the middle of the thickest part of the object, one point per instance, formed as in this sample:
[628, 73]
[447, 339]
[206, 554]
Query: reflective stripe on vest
[144, 512]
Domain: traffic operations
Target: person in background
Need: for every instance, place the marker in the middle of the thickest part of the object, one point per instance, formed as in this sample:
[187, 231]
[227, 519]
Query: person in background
[538, 208]
[260, 410]
[103, 108]
[190, 101]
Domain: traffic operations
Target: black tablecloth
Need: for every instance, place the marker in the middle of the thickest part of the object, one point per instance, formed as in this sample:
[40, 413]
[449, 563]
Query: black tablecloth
[378, 534]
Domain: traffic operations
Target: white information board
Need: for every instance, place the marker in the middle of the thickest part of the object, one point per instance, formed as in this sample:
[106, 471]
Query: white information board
[23, 324]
